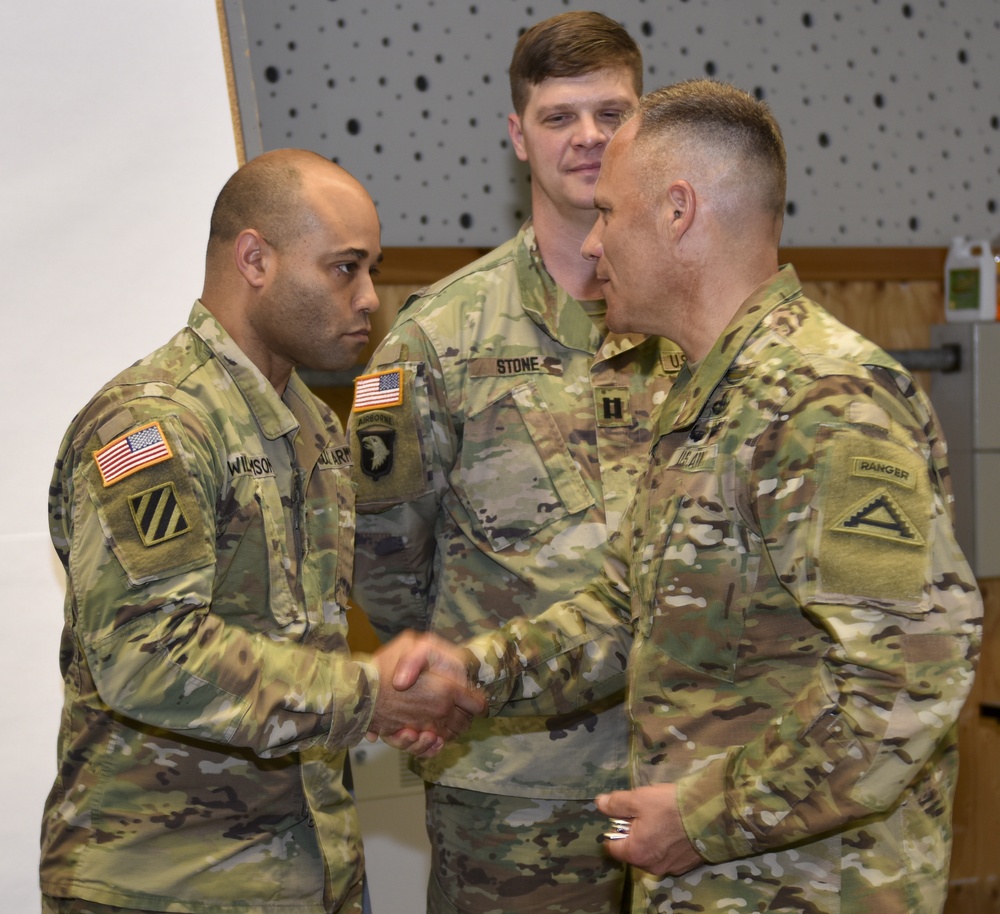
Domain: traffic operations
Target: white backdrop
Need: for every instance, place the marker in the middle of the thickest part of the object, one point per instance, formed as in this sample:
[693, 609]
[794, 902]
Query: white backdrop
[115, 137]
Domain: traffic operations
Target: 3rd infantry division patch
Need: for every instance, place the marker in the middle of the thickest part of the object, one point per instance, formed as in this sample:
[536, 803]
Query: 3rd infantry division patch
[158, 516]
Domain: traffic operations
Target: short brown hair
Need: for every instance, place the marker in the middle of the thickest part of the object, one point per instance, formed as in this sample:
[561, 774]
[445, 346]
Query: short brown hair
[571, 44]
[725, 119]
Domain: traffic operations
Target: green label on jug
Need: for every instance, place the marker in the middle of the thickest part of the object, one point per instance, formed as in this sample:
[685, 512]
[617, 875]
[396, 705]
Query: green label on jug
[963, 290]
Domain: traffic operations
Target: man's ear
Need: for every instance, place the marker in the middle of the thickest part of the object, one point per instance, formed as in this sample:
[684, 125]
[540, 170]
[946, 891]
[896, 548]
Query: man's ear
[679, 207]
[252, 255]
[517, 136]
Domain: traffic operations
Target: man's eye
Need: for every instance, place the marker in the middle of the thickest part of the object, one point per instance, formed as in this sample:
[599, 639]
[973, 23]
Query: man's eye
[347, 268]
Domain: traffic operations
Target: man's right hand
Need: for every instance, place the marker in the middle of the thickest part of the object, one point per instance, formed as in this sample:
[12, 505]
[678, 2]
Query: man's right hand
[429, 701]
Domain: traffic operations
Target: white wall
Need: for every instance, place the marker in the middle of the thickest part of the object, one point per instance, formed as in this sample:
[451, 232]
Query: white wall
[115, 137]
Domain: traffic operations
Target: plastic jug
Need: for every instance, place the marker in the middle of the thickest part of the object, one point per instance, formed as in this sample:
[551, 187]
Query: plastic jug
[970, 281]
[996, 260]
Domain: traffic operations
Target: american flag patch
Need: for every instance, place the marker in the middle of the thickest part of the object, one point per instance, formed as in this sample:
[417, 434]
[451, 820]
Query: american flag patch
[382, 389]
[132, 452]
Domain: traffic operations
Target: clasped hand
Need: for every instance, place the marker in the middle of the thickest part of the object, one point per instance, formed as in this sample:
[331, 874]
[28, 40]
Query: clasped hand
[424, 697]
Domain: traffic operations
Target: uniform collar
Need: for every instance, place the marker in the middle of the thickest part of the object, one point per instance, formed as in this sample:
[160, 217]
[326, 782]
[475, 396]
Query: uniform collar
[273, 416]
[554, 310]
[693, 389]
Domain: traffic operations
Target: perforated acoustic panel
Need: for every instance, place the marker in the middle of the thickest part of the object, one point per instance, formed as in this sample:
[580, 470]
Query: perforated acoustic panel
[891, 110]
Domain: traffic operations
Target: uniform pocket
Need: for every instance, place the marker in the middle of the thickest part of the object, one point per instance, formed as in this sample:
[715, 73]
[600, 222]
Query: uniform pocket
[701, 567]
[516, 473]
[329, 520]
[250, 548]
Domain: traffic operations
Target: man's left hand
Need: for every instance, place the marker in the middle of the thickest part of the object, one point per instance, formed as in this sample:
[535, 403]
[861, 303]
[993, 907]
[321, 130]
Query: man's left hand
[656, 841]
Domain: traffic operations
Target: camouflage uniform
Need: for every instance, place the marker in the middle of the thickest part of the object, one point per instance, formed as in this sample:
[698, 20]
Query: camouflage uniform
[206, 526]
[805, 626]
[487, 492]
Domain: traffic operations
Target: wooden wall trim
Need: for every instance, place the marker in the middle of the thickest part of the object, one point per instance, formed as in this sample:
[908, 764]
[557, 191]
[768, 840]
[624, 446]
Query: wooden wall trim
[873, 264]
[234, 102]
[420, 266]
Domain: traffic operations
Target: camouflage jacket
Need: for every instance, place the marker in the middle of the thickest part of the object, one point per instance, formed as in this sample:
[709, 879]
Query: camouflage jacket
[803, 625]
[511, 444]
[206, 527]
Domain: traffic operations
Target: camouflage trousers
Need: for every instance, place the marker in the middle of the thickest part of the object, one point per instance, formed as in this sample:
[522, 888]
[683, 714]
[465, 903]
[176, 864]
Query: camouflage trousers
[50, 905]
[507, 855]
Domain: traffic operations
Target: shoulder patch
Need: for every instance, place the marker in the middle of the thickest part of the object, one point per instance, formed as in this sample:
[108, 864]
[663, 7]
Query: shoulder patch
[377, 450]
[375, 391]
[144, 447]
[157, 514]
[881, 516]
[156, 523]
[389, 453]
[884, 470]
[875, 512]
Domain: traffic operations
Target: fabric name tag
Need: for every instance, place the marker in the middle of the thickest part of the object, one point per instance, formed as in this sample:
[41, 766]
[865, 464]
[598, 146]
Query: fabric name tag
[524, 364]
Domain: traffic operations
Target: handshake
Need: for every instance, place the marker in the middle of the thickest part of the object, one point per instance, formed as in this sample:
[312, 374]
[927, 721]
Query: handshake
[425, 697]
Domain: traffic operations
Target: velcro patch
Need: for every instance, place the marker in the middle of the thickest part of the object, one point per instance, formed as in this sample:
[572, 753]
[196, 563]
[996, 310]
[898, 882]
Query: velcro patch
[144, 447]
[335, 458]
[875, 468]
[693, 458]
[881, 516]
[388, 450]
[157, 514]
[613, 407]
[514, 365]
[376, 391]
[875, 513]
[377, 451]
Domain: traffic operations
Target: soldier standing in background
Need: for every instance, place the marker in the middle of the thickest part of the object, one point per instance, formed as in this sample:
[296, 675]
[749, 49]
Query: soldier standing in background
[499, 437]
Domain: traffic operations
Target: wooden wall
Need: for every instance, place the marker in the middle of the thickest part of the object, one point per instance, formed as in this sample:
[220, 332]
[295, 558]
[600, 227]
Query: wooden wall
[898, 315]
[892, 296]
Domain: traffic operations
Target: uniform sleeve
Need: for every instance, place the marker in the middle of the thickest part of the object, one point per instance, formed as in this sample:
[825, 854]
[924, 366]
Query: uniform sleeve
[161, 647]
[572, 654]
[853, 507]
[404, 454]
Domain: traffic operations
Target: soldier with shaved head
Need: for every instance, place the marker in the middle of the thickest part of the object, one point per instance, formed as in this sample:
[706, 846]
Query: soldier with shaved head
[799, 624]
[203, 508]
